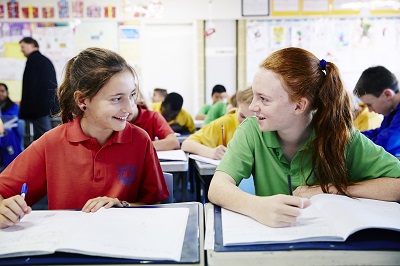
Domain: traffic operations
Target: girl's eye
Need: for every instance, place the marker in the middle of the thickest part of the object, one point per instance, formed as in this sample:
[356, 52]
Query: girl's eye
[116, 99]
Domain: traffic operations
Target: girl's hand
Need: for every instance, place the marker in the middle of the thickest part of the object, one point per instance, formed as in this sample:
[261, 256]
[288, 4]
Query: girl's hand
[278, 210]
[12, 210]
[218, 152]
[95, 204]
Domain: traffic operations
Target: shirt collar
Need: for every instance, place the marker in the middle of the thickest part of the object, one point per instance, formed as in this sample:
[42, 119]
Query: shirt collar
[75, 133]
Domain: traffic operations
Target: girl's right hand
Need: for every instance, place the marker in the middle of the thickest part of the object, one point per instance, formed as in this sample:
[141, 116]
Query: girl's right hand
[12, 210]
[218, 152]
[278, 210]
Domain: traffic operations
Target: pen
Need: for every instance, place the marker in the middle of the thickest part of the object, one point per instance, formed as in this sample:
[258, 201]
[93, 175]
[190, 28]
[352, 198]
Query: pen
[289, 180]
[24, 190]
[223, 135]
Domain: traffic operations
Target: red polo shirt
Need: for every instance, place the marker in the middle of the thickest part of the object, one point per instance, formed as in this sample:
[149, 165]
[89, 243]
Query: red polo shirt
[153, 123]
[72, 168]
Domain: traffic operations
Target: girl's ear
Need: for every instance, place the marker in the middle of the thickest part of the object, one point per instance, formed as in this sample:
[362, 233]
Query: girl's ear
[80, 99]
[301, 105]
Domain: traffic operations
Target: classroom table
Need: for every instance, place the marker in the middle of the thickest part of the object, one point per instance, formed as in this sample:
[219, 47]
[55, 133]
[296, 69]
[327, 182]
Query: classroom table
[200, 175]
[292, 257]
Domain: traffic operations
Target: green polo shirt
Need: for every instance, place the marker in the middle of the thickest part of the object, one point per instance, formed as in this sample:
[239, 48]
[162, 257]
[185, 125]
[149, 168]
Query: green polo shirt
[204, 109]
[217, 110]
[252, 151]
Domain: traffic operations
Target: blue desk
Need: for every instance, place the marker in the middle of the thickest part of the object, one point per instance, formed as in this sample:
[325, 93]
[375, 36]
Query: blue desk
[200, 175]
[292, 254]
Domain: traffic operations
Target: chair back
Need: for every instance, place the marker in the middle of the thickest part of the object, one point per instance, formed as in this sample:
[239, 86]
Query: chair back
[169, 179]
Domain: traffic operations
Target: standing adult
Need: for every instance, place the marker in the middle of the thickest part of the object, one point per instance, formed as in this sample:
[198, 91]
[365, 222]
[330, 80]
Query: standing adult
[39, 86]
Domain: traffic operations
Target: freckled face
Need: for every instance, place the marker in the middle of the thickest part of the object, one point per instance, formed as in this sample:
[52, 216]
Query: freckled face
[271, 103]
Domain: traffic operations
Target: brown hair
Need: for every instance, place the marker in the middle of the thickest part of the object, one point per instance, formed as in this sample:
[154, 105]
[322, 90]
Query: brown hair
[245, 96]
[302, 75]
[88, 72]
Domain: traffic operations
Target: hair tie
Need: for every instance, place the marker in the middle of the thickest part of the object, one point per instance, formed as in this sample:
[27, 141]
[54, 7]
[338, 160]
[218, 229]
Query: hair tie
[322, 64]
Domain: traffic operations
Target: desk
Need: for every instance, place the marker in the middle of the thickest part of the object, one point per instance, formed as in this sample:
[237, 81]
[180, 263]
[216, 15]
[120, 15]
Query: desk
[201, 175]
[192, 250]
[294, 257]
[179, 170]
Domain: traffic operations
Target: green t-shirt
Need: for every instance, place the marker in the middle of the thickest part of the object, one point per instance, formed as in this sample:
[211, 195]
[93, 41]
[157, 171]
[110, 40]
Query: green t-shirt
[204, 109]
[216, 110]
[252, 151]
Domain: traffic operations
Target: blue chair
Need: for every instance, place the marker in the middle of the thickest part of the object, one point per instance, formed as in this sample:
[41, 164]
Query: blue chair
[169, 179]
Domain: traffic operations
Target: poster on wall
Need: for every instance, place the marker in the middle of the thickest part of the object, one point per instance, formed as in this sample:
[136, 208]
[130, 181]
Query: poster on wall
[63, 10]
[30, 11]
[48, 12]
[93, 11]
[77, 9]
[1, 11]
[13, 10]
[109, 11]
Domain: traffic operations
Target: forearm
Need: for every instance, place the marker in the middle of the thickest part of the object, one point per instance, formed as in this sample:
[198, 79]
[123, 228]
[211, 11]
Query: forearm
[169, 143]
[384, 188]
[200, 116]
[224, 192]
[192, 146]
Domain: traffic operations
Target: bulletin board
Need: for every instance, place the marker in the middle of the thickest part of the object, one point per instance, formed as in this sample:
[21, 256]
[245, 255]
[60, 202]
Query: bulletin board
[353, 44]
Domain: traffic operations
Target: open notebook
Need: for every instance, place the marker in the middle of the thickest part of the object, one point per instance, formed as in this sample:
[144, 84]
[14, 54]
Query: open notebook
[329, 218]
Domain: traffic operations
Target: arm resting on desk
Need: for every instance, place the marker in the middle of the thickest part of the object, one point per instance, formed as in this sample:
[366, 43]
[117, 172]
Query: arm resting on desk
[192, 146]
[383, 188]
[274, 211]
[170, 142]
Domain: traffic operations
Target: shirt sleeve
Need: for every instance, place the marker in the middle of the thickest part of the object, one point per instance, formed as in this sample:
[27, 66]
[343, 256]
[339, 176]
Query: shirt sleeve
[161, 127]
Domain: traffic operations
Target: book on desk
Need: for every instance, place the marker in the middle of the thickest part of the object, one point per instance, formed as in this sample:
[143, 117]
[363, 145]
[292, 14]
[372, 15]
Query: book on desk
[166, 233]
[330, 219]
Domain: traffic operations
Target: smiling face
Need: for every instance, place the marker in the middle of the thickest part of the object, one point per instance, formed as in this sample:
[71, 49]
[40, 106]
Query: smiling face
[108, 110]
[271, 103]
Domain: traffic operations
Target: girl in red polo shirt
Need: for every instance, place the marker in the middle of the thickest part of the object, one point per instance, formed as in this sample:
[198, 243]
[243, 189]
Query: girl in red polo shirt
[94, 158]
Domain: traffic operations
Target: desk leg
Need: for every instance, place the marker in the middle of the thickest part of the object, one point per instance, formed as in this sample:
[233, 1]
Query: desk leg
[180, 179]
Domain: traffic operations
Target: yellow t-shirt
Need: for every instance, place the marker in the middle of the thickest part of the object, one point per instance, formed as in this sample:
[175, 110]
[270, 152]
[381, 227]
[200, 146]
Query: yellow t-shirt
[211, 134]
[183, 118]
[367, 120]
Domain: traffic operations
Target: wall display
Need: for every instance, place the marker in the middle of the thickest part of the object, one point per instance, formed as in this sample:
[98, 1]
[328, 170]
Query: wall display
[255, 8]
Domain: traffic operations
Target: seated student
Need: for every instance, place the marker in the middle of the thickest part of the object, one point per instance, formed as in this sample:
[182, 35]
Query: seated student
[87, 162]
[177, 117]
[302, 132]
[216, 110]
[211, 140]
[218, 94]
[364, 119]
[158, 97]
[10, 145]
[8, 107]
[156, 126]
[378, 88]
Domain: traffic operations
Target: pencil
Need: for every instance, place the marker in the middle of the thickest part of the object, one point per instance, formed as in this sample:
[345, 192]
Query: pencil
[289, 180]
[223, 135]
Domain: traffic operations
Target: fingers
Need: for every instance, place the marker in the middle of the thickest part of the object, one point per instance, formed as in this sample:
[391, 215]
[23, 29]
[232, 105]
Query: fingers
[219, 152]
[95, 204]
[12, 210]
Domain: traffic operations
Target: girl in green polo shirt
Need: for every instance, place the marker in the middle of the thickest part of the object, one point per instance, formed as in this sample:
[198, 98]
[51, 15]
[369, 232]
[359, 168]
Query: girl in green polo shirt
[302, 138]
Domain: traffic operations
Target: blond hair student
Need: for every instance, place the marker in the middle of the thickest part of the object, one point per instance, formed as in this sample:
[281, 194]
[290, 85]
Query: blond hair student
[211, 140]
[302, 138]
[95, 158]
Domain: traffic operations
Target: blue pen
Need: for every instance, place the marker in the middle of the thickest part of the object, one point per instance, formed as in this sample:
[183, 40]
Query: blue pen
[24, 190]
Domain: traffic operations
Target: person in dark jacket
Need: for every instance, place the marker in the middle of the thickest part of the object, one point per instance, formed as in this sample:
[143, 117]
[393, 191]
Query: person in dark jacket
[39, 86]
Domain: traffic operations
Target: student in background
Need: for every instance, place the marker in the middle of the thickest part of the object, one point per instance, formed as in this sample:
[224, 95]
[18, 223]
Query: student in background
[216, 110]
[10, 145]
[158, 96]
[211, 140]
[302, 137]
[177, 117]
[378, 88]
[87, 162]
[218, 94]
[156, 126]
[364, 119]
[8, 107]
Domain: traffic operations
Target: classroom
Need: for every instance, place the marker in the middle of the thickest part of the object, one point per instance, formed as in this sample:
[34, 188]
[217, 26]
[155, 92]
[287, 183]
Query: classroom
[188, 47]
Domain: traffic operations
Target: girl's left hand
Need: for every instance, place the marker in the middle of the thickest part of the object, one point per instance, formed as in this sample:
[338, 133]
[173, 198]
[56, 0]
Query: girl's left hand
[95, 204]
